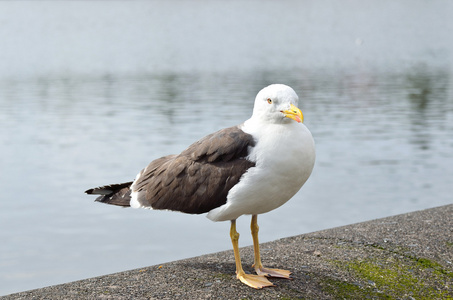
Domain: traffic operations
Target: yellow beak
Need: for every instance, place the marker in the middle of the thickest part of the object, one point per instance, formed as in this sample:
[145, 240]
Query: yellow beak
[294, 113]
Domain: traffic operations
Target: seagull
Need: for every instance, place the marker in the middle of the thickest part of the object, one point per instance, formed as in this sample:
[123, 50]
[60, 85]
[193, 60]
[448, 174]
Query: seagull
[248, 169]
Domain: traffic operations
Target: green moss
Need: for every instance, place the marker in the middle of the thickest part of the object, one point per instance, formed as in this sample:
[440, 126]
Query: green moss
[390, 279]
[388, 272]
[345, 290]
[434, 266]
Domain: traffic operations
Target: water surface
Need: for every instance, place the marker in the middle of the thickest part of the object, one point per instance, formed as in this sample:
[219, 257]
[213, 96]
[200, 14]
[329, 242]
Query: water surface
[91, 92]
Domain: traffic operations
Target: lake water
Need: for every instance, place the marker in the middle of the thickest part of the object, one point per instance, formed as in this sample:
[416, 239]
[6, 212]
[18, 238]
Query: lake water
[90, 92]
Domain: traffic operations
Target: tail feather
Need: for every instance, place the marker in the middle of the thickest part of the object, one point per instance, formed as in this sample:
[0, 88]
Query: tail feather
[115, 194]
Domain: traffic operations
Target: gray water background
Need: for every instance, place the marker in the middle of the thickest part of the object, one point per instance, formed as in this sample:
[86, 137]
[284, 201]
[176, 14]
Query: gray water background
[90, 92]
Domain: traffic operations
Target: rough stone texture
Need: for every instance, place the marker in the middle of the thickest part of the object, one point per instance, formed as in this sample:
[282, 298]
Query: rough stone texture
[407, 256]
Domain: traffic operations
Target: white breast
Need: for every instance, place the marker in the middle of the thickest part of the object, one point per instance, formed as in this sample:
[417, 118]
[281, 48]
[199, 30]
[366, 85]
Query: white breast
[284, 155]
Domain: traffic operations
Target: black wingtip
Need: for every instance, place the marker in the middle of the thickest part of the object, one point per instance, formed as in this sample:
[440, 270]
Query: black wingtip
[115, 194]
[89, 192]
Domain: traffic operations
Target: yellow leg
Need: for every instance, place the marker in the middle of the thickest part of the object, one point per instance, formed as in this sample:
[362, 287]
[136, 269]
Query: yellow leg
[253, 281]
[259, 269]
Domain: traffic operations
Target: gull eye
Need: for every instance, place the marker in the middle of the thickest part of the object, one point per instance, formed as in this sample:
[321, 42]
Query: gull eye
[269, 100]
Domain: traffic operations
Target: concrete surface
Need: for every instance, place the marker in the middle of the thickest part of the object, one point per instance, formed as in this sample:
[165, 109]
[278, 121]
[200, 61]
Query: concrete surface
[407, 256]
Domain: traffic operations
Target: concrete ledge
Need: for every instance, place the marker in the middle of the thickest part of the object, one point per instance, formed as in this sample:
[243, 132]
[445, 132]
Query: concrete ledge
[407, 256]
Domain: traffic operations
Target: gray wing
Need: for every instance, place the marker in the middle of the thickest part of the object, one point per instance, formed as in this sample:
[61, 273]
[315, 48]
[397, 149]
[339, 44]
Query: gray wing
[197, 180]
